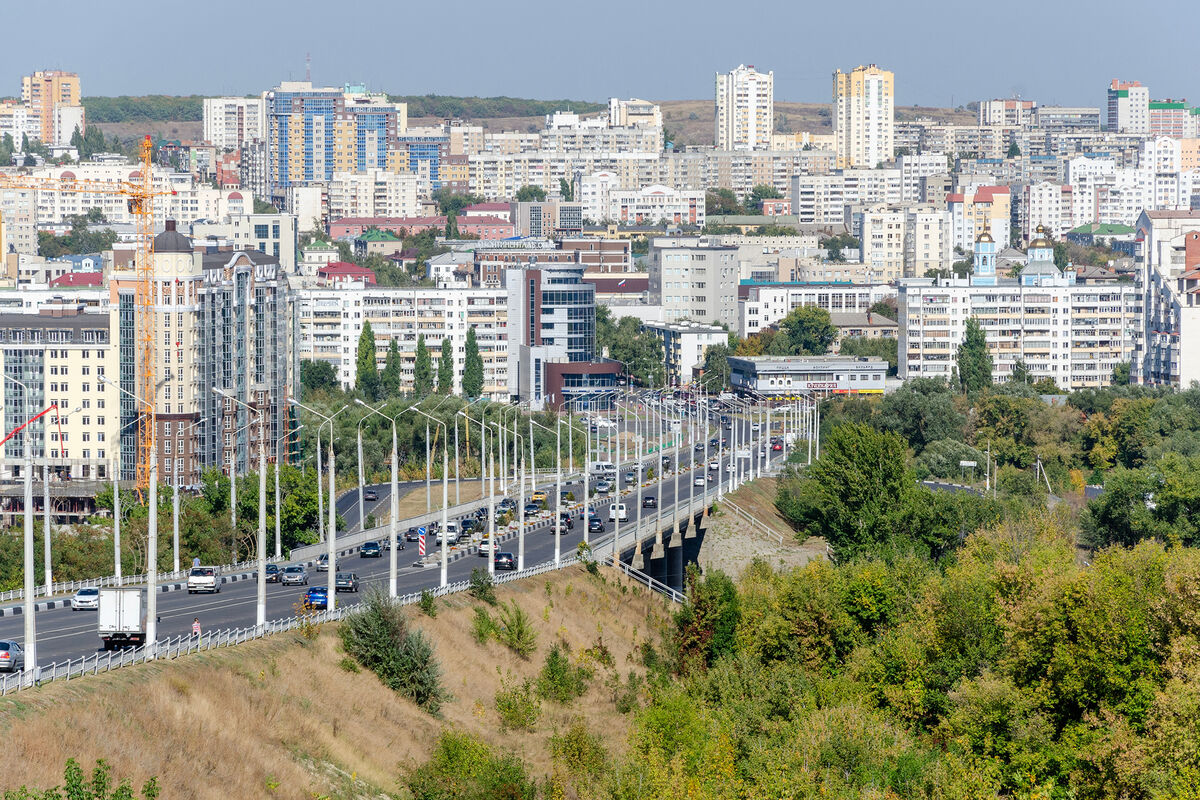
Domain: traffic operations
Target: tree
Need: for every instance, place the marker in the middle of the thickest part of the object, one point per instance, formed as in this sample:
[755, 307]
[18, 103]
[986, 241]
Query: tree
[758, 194]
[884, 347]
[974, 361]
[472, 380]
[1061, 255]
[835, 244]
[1014, 150]
[422, 369]
[452, 226]
[1122, 373]
[640, 351]
[446, 368]
[884, 308]
[389, 380]
[566, 190]
[606, 329]
[366, 378]
[722, 202]
[716, 367]
[530, 193]
[1020, 371]
[808, 331]
[317, 376]
[263, 207]
[922, 411]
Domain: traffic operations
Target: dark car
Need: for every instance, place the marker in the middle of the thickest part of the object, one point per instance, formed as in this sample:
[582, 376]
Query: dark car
[698, 446]
[370, 494]
[712, 442]
[412, 535]
[316, 597]
[595, 525]
[649, 501]
[467, 525]
[370, 550]
[346, 582]
[273, 573]
[568, 521]
[505, 561]
[481, 513]
[532, 509]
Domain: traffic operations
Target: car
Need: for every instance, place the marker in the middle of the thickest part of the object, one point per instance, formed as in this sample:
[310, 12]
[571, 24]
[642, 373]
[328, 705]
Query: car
[728, 426]
[273, 573]
[532, 510]
[698, 480]
[316, 597]
[537, 497]
[754, 426]
[568, 521]
[370, 494]
[505, 561]
[714, 465]
[698, 446]
[345, 582]
[712, 443]
[12, 657]
[603, 487]
[592, 512]
[323, 562]
[467, 525]
[412, 535]
[777, 447]
[204, 579]
[630, 477]
[481, 513]
[618, 511]
[595, 525]
[370, 550]
[762, 452]
[294, 575]
[86, 598]
[485, 546]
[507, 504]
[649, 501]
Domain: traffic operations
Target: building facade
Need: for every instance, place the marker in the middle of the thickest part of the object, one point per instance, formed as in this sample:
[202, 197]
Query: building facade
[864, 116]
[684, 345]
[694, 280]
[819, 376]
[231, 123]
[1168, 284]
[1128, 107]
[745, 109]
[47, 94]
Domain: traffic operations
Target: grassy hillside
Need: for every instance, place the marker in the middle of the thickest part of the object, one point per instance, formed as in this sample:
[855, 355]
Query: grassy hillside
[283, 713]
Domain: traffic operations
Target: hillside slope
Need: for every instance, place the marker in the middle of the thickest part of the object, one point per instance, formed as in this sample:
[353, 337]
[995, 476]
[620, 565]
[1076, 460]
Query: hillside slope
[283, 713]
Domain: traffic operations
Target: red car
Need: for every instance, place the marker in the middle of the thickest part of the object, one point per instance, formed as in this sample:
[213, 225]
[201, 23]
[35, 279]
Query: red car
[777, 447]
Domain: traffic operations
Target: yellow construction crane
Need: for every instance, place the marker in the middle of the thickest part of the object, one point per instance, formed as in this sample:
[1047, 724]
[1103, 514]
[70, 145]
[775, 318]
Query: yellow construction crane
[139, 190]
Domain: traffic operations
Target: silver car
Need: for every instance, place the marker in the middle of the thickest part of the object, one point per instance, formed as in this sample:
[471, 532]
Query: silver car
[294, 575]
[86, 598]
[12, 657]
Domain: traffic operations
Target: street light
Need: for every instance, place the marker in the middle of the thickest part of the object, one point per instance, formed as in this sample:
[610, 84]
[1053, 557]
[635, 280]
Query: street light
[278, 463]
[394, 502]
[558, 484]
[152, 536]
[175, 499]
[328, 421]
[362, 509]
[445, 487]
[483, 488]
[260, 615]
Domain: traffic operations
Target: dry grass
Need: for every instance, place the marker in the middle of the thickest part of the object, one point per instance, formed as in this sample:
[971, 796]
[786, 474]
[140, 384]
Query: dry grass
[731, 543]
[232, 722]
[413, 503]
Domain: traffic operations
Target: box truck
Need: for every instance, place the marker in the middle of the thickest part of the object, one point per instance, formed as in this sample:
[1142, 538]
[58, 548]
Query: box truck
[122, 617]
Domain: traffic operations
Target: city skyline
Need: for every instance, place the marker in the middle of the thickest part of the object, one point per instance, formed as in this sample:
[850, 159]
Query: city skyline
[678, 67]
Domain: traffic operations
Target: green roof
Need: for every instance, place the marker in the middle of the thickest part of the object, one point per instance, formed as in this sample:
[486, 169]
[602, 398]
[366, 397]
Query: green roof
[1167, 105]
[379, 236]
[1106, 229]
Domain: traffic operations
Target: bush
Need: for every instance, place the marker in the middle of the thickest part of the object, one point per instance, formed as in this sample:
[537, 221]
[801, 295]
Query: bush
[579, 751]
[483, 586]
[483, 627]
[79, 788]
[518, 706]
[627, 695]
[516, 630]
[464, 768]
[561, 681]
[378, 638]
[427, 603]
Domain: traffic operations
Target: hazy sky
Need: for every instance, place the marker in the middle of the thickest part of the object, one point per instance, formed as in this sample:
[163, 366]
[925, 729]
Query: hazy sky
[1053, 51]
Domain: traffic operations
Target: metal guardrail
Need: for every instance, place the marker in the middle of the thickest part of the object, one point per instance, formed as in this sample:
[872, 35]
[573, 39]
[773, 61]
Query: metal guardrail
[183, 645]
[746, 515]
[70, 587]
[651, 583]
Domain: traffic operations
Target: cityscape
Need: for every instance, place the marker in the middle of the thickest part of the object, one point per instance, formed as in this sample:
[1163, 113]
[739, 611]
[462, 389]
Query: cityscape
[615, 448]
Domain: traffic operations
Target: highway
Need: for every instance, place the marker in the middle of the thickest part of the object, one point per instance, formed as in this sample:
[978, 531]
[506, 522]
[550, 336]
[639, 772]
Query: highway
[65, 634]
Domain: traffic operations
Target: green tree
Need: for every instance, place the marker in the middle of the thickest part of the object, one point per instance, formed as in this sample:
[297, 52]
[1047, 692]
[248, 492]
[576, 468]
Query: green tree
[389, 379]
[606, 329]
[974, 362]
[716, 367]
[529, 193]
[452, 226]
[366, 378]
[472, 380]
[1014, 150]
[882, 346]
[422, 369]
[263, 207]
[451, 203]
[720, 202]
[1062, 256]
[835, 244]
[807, 331]
[446, 368]
[1122, 373]
[317, 376]
[1020, 372]
[922, 411]
[640, 351]
[759, 193]
[884, 308]
[566, 190]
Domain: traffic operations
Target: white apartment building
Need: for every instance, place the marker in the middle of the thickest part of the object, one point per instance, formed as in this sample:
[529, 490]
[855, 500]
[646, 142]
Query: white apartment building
[926, 239]
[1128, 107]
[767, 304]
[1073, 334]
[655, 204]
[1168, 285]
[745, 109]
[18, 221]
[916, 166]
[978, 209]
[863, 116]
[822, 199]
[273, 234]
[684, 345]
[330, 321]
[1046, 204]
[1013, 112]
[624, 113]
[372, 193]
[694, 280]
[232, 122]
[880, 228]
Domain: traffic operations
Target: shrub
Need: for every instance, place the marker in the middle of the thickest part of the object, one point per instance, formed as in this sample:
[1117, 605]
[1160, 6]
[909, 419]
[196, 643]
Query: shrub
[464, 768]
[427, 603]
[348, 664]
[560, 681]
[579, 751]
[483, 586]
[516, 630]
[600, 653]
[626, 695]
[80, 788]
[484, 627]
[378, 638]
[518, 706]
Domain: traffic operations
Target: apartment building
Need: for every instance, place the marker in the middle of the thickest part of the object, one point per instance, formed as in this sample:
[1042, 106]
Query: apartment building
[927, 243]
[764, 304]
[231, 123]
[822, 199]
[880, 228]
[977, 210]
[1128, 107]
[684, 345]
[916, 166]
[653, 205]
[330, 321]
[372, 193]
[1071, 333]
[1047, 205]
[1168, 283]
[1013, 112]
[54, 98]
[631, 112]
[1067, 119]
[745, 109]
[18, 221]
[1172, 118]
[55, 353]
[694, 279]
[273, 234]
[863, 116]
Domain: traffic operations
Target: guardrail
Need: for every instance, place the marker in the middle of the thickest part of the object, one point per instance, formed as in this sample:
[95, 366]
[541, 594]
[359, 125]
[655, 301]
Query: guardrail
[70, 587]
[183, 645]
[746, 515]
[651, 583]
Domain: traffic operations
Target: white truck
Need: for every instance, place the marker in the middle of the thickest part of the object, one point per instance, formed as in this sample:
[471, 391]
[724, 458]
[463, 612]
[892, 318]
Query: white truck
[122, 617]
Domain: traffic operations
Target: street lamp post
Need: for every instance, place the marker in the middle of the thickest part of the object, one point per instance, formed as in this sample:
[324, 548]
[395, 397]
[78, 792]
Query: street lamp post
[278, 463]
[445, 486]
[328, 420]
[394, 500]
[175, 503]
[260, 615]
[483, 488]
[558, 485]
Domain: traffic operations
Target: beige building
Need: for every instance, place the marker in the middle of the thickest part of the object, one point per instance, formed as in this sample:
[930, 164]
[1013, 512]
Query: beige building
[745, 109]
[44, 92]
[882, 235]
[863, 116]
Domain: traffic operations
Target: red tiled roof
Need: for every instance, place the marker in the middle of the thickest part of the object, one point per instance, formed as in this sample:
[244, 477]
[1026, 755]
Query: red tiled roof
[488, 207]
[344, 270]
[78, 279]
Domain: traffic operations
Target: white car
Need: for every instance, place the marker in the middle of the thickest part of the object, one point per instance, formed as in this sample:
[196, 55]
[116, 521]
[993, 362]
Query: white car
[86, 598]
[618, 511]
[698, 480]
[485, 546]
[714, 465]
[754, 427]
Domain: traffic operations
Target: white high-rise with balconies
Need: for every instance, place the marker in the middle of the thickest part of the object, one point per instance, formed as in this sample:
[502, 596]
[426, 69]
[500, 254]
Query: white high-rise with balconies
[745, 109]
[864, 116]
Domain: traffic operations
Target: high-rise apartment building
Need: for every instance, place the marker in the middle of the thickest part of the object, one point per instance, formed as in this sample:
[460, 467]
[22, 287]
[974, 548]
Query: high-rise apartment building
[1128, 107]
[695, 278]
[231, 123]
[1168, 285]
[1011, 113]
[44, 93]
[745, 109]
[864, 116]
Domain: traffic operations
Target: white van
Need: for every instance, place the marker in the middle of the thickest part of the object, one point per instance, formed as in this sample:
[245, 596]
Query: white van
[606, 469]
[204, 579]
[618, 511]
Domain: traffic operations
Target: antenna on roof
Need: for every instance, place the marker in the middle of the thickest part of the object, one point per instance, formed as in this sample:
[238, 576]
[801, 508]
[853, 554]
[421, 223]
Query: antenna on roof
[308, 67]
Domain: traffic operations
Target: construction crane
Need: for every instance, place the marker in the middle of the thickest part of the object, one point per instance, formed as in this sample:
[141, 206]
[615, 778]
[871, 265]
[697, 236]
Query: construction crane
[140, 193]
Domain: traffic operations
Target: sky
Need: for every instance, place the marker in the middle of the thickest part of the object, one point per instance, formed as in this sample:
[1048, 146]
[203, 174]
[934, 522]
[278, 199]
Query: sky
[1061, 52]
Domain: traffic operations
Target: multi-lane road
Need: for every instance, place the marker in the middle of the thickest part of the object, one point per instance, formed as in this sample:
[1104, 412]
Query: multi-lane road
[65, 634]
